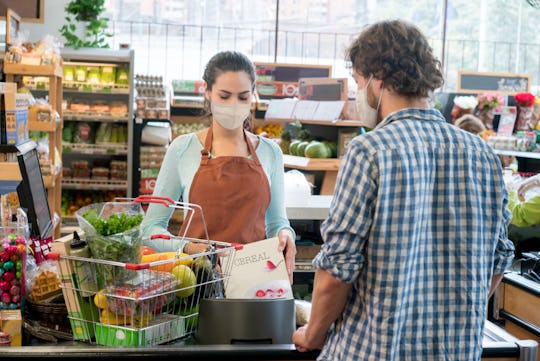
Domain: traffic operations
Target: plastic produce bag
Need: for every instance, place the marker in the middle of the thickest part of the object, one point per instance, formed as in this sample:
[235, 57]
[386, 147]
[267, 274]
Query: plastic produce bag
[112, 230]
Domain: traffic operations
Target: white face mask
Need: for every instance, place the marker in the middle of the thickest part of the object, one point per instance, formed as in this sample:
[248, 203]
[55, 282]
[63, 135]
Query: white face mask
[230, 116]
[366, 114]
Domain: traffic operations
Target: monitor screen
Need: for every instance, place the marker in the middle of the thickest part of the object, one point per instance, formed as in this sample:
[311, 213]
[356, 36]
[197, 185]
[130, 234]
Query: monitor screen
[33, 195]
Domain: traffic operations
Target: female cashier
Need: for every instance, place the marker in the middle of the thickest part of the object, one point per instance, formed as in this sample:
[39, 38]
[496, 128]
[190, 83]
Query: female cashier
[235, 176]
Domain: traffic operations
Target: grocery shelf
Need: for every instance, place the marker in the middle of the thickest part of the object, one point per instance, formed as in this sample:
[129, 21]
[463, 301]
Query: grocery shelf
[44, 126]
[303, 163]
[337, 123]
[532, 155]
[108, 148]
[33, 70]
[50, 180]
[94, 117]
[94, 89]
[10, 171]
[93, 184]
[82, 88]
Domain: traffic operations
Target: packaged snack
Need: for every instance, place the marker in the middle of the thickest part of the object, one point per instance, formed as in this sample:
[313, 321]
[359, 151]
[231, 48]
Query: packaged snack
[148, 292]
[83, 133]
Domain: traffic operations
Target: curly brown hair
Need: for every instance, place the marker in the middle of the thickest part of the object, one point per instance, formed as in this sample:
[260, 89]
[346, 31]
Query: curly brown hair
[399, 54]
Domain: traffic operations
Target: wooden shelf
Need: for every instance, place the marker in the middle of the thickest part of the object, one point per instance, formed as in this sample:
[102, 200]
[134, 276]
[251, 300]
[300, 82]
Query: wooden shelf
[10, 171]
[53, 179]
[34, 70]
[53, 127]
[44, 126]
[303, 163]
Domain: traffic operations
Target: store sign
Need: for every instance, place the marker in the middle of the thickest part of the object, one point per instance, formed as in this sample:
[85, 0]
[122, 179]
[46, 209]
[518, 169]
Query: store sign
[505, 83]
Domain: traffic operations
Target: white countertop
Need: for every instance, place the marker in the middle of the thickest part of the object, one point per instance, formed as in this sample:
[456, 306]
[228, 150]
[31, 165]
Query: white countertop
[316, 208]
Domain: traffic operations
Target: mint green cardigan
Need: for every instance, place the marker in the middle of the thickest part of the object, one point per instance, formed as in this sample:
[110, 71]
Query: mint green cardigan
[180, 164]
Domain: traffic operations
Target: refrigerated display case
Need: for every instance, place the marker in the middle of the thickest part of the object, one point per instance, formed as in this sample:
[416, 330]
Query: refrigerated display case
[97, 137]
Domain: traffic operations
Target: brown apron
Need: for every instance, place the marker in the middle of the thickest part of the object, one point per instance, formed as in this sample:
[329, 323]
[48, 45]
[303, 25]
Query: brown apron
[234, 195]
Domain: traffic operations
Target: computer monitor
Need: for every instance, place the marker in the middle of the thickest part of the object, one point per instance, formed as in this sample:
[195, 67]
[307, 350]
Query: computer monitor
[33, 194]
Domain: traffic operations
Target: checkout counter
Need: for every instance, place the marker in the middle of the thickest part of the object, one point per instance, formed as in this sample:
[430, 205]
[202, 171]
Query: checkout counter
[498, 344]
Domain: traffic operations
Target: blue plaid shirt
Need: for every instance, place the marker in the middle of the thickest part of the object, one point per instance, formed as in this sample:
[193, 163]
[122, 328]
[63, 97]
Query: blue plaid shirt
[418, 225]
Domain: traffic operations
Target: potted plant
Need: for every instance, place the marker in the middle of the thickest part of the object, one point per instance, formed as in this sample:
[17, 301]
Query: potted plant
[88, 13]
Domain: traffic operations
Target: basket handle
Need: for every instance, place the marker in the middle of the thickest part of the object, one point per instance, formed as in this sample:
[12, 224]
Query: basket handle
[166, 201]
[161, 236]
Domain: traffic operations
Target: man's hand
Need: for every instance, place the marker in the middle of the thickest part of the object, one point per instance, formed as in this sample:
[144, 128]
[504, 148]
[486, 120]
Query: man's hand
[301, 343]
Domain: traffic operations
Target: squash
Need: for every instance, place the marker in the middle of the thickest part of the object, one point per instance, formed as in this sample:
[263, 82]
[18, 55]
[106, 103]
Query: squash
[183, 258]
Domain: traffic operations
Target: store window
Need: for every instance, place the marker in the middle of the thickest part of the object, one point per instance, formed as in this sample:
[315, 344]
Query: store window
[175, 38]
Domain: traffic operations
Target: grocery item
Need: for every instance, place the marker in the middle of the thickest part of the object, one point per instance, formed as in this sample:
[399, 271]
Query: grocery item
[44, 285]
[181, 258]
[316, 149]
[92, 75]
[80, 73]
[113, 233]
[86, 281]
[83, 133]
[69, 73]
[107, 74]
[122, 76]
[145, 293]
[13, 260]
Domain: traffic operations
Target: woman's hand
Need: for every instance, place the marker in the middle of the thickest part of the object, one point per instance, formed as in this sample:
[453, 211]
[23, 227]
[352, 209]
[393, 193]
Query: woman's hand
[195, 247]
[287, 245]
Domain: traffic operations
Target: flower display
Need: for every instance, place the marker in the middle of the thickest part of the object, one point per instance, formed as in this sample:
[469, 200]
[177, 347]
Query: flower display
[487, 101]
[466, 102]
[524, 99]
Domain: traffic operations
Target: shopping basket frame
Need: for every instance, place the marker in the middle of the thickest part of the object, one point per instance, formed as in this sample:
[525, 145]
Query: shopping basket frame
[153, 307]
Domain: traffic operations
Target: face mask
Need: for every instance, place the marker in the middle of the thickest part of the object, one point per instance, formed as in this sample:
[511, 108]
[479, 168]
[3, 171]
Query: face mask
[230, 116]
[366, 114]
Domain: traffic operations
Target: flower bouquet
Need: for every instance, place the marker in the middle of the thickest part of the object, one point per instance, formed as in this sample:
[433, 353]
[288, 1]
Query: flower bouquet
[489, 101]
[488, 104]
[525, 107]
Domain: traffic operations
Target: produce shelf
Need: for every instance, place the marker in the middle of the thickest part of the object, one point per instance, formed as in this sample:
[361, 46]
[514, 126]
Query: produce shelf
[337, 123]
[95, 117]
[94, 184]
[109, 148]
[303, 163]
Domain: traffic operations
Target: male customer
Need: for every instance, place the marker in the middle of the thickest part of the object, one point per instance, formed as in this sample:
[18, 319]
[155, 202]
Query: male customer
[415, 241]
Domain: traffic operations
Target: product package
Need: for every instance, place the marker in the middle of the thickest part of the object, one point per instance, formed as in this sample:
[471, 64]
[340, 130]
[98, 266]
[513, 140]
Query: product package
[257, 271]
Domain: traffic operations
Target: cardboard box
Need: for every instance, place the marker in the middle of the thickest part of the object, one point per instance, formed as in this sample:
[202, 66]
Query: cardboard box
[163, 328]
[257, 271]
[11, 323]
[14, 115]
[82, 312]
